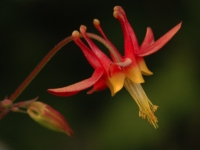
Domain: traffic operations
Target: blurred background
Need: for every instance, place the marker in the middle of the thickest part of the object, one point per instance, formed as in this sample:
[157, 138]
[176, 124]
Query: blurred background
[30, 28]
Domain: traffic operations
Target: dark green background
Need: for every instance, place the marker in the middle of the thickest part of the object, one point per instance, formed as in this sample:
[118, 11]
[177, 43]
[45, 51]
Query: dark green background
[30, 28]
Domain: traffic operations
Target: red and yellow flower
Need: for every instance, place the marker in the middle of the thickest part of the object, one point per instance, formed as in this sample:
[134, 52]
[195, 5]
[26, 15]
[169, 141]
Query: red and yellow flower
[121, 70]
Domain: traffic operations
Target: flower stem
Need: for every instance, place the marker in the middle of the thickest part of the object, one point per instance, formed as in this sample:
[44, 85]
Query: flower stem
[51, 53]
[38, 68]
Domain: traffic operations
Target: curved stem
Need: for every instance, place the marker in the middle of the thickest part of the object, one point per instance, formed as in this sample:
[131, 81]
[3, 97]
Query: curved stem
[37, 69]
[51, 53]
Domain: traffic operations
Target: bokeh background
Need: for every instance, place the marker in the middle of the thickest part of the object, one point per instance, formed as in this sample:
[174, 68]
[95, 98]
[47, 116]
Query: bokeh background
[30, 28]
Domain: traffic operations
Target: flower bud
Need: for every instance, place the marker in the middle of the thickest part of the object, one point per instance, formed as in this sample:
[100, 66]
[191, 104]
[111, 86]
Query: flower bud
[48, 117]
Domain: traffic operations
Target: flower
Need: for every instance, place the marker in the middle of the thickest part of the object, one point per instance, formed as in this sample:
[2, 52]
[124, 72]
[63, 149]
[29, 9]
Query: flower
[121, 71]
[48, 117]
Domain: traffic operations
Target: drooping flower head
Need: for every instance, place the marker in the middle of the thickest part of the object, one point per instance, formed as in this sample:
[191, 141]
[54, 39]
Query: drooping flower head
[121, 70]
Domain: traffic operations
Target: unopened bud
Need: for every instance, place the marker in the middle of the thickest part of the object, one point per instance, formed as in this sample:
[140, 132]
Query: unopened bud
[48, 117]
[6, 103]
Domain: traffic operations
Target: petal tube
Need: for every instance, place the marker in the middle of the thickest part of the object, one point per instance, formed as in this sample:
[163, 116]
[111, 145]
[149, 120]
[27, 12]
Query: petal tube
[130, 31]
[160, 42]
[90, 56]
[102, 58]
[132, 71]
[79, 86]
[96, 23]
[128, 44]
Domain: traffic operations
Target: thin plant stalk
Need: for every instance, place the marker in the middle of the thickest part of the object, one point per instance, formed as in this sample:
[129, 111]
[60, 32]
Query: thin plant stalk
[38, 68]
[46, 59]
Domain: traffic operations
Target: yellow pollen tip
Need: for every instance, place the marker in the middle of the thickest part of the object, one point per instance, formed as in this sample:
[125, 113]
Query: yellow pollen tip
[96, 22]
[75, 34]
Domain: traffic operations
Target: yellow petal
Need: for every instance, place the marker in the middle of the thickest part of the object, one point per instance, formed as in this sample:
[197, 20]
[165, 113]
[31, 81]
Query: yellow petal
[133, 73]
[115, 82]
[143, 67]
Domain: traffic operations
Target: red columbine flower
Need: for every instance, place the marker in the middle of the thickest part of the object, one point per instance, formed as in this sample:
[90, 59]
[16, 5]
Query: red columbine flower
[121, 71]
